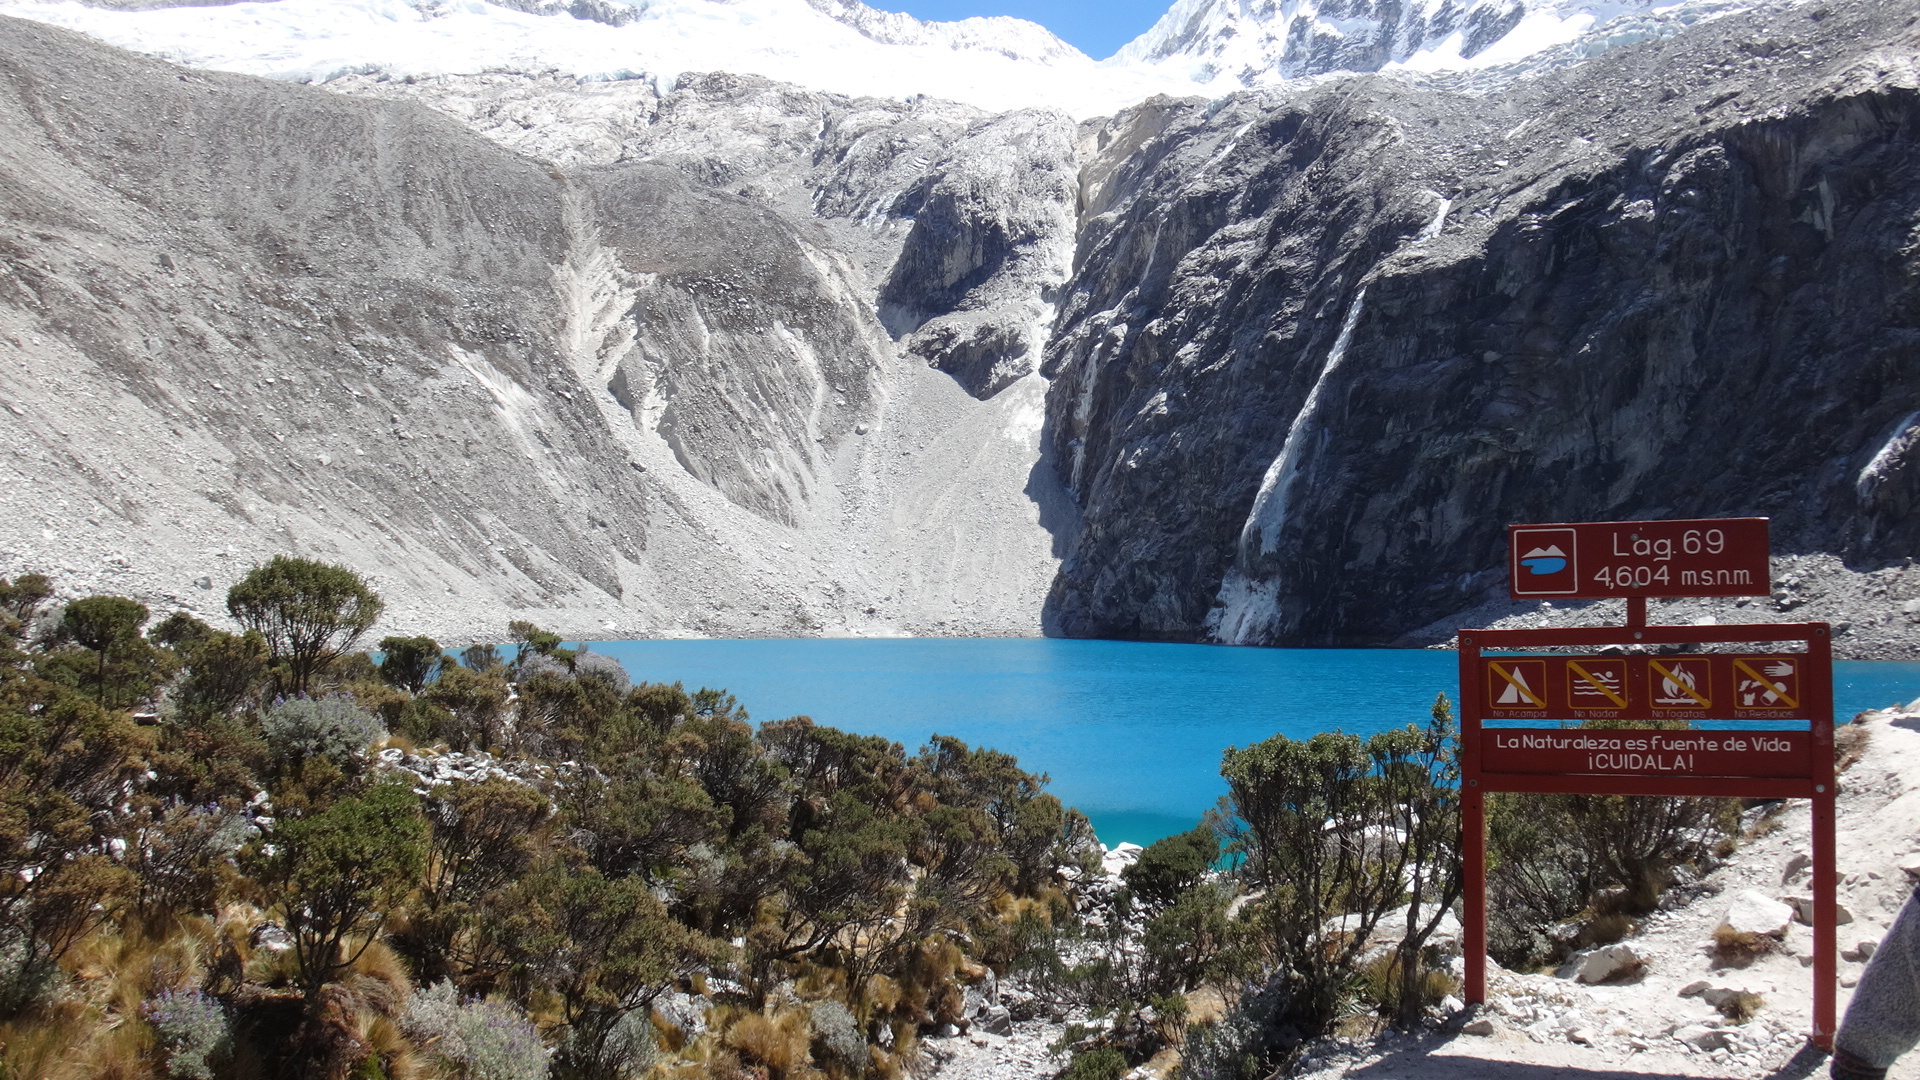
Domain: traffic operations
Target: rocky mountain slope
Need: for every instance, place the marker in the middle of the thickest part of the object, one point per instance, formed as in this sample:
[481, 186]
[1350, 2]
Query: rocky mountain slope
[727, 355]
[243, 317]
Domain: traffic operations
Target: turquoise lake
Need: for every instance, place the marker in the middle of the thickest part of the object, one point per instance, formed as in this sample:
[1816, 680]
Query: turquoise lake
[1131, 733]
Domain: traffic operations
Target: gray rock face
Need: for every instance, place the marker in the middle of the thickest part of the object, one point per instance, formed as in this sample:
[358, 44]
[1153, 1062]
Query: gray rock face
[991, 240]
[959, 222]
[244, 317]
[1383, 323]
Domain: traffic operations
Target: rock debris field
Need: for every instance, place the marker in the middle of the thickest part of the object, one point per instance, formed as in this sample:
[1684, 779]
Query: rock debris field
[1653, 1009]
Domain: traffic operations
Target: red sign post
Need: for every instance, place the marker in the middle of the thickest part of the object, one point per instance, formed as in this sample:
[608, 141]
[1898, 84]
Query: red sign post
[1516, 689]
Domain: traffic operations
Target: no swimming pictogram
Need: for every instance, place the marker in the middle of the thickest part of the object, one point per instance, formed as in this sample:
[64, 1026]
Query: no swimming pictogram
[1594, 683]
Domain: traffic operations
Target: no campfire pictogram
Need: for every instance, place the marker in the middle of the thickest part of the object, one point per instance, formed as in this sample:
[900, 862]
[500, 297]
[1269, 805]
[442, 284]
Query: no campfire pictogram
[1680, 684]
[1517, 684]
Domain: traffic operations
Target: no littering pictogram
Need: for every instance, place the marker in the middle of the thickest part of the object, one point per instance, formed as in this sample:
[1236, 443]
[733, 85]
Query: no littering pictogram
[1766, 682]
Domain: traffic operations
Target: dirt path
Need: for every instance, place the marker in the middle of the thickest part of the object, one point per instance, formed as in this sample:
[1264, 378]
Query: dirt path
[1546, 1026]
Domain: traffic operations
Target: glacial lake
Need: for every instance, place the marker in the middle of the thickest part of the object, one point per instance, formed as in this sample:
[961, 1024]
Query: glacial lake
[1131, 733]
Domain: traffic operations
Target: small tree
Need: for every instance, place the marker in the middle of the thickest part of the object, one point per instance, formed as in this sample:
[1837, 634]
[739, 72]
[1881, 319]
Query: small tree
[409, 662]
[1422, 777]
[1172, 865]
[482, 837]
[308, 612]
[335, 874]
[605, 946]
[108, 627]
[1316, 841]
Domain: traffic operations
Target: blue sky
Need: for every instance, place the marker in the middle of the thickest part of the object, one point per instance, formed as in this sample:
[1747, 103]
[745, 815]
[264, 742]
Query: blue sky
[1094, 27]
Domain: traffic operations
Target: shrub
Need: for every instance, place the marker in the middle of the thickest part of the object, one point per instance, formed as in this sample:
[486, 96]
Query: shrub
[195, 1031]
[333, 727]
[1742, 1006]
[1171, 866]
[480, 1040]
[309, 613]
[1100, 1063]
[604, 668]
[1243, 1045]
[836, 1034]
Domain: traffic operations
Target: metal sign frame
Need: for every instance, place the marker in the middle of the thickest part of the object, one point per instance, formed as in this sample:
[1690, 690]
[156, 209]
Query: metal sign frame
[1817, 783]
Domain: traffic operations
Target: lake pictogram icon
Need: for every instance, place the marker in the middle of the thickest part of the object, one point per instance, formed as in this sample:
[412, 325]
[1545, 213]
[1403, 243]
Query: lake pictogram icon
[1545, 562]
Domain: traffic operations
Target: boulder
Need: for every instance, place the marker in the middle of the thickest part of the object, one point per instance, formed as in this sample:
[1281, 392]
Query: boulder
[1600, 965]
[1482, 1026]
[1695, 988]
[1861, 951]
[1755, 914]
[1803, 911]
[1119, 857]
[998, 1020]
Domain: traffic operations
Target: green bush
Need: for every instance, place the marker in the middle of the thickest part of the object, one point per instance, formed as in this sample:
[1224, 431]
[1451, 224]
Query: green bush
[1171, 866]
[480, 1040]
[1100, 1063]
[195, 1031]
[333, 728]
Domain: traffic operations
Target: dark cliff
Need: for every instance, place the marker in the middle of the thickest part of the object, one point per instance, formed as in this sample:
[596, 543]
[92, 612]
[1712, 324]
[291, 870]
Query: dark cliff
[1318, 351]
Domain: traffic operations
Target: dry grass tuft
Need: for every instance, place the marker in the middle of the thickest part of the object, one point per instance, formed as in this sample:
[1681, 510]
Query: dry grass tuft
[781, 1042]
[1850, 745]
[1736, 945]
[1742, 1007]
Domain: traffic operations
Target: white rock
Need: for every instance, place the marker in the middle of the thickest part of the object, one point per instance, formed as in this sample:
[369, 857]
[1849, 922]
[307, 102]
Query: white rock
[1119, 857]
[1599, 965]
[1482, 1026]
[1694, 988]
[1861, 952]
[1754, 912]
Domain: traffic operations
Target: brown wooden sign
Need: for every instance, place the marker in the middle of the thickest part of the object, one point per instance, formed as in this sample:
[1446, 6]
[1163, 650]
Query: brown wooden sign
[1717, 686]
[1775, 671]
[1596, 560]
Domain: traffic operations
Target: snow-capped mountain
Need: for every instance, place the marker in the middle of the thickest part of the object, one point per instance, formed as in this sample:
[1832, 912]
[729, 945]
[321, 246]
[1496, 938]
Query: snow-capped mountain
[1250, 41]
[840, 46]
[845, 46]
[1233, 44]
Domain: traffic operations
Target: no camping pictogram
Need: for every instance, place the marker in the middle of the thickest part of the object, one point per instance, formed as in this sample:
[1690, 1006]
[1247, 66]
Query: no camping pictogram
[1517, 684]
[1766, 682]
